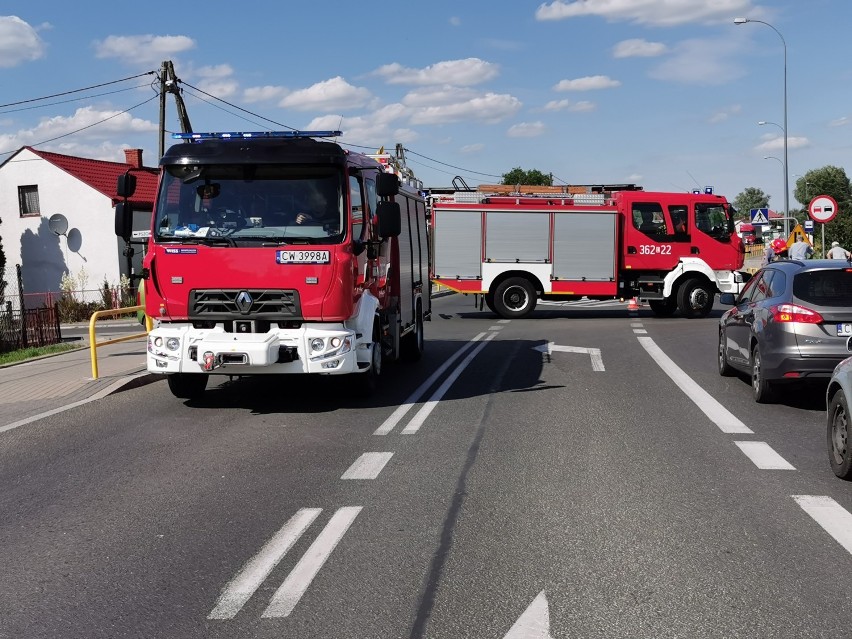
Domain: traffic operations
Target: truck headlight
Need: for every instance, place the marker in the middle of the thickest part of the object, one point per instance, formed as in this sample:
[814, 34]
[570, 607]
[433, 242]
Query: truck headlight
[317, 344]
[173, 343]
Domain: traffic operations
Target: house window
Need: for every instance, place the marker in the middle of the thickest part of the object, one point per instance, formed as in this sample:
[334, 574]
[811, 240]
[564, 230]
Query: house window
[28, 200]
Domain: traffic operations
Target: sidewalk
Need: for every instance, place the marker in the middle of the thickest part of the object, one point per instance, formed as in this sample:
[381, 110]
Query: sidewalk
[38, 388]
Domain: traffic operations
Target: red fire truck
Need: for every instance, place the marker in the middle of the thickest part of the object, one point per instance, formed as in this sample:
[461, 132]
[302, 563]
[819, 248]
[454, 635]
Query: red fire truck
[276, 253]
[515, 245]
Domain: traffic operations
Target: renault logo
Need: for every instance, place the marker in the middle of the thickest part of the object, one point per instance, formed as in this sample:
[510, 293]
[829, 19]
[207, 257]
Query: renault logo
[244, 301]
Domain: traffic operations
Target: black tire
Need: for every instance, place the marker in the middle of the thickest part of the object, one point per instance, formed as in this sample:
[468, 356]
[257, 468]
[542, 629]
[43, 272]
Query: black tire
[514, 298]
[761, 388]
[489, 302]
[725, 369]
[663, 308]
[186, 385]
[412, 344]
[695, 298]
[837, 435]
[369, 379]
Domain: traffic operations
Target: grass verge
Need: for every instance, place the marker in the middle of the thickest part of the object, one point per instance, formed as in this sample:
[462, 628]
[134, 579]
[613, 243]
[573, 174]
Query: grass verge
[13, 357]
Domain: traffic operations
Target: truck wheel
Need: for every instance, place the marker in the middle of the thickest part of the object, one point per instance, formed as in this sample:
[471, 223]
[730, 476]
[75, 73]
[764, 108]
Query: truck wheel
[489, 302]
[412, 344]
[761, 388]
[186, 385]
[663, 308]
[695, 298]
[514, 298]
[369, 379]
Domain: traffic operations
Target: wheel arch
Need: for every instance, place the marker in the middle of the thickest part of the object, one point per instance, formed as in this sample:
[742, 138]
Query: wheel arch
[534, 280]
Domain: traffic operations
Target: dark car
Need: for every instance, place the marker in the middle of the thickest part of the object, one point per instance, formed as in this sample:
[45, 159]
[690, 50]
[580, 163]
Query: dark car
[792, 322]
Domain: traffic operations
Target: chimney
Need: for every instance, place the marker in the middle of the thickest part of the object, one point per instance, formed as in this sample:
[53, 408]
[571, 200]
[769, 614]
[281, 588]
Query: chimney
[133, 157]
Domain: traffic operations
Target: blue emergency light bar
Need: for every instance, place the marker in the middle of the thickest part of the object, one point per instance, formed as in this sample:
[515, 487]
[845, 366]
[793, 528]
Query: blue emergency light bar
[228, 135]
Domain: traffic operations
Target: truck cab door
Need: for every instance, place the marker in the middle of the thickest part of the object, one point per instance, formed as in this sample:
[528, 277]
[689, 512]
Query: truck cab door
[650, 241]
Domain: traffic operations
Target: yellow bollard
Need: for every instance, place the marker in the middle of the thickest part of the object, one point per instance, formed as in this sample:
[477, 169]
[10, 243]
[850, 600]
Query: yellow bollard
[93, 345]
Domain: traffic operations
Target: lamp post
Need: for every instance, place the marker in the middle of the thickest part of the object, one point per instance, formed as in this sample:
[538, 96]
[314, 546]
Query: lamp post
[784, 169]
[784, 128]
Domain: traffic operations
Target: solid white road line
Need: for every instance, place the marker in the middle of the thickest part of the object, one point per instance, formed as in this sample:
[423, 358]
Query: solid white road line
[718, 414]
[390, 423]
[417, 421]
[836, 520]
[367, 466]
[764, 456]
[297, 582]
[240, 589]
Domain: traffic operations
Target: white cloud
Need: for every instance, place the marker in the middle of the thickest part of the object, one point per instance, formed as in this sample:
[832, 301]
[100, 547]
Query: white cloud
[777, 143]
[19, 42]
[455, 21]
[217, 80]
[457, 72]
[699, 62]
[652, 12]
[472, 148]
[566, 105]
[101, 123]
[262, 94]
[489, 108]
[364, 130]
[843, 121]
[526, 130]
[143, 49]
[335, 94]
[588, 83]
[638, 48]
[438, 96]
[724, 114]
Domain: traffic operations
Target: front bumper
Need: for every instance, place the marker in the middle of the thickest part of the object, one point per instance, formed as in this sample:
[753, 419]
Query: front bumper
[330, 349]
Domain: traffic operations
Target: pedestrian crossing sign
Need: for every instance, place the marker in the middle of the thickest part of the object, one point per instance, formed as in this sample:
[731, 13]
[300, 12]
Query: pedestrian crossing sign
[759, 216]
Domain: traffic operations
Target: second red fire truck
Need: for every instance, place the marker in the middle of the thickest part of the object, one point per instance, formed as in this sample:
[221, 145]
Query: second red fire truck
[515, 245]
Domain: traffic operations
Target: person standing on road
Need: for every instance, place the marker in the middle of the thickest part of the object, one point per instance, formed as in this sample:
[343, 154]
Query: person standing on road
[768, 254]
[801, 249]
[837, 252]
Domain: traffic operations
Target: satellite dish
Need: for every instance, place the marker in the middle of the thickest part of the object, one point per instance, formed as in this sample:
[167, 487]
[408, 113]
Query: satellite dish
[75, 240]
[58, 223]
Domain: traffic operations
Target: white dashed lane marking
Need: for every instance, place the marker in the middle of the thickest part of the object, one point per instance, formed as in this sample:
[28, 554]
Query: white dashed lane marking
[367, 466]
[764, 456]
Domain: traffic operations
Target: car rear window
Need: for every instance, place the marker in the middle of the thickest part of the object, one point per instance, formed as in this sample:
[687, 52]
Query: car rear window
[824, 288]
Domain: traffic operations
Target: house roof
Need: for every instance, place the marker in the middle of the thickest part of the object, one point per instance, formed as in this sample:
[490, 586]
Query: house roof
[103, 176]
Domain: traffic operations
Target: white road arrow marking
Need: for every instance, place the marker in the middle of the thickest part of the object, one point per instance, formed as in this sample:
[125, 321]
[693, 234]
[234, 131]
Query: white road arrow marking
[534, 623]
[594, 353]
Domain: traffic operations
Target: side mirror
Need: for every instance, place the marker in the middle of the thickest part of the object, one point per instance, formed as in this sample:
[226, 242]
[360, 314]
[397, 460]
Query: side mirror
[390, 219]
[124, 220]
[126, 185]
[387, 184]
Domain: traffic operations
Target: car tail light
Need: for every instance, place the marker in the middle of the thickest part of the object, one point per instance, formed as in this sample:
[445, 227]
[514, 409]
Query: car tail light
[785, 313]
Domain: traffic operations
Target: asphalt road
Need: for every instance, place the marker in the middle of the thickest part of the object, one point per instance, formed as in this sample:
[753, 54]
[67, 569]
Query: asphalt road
[582, 473]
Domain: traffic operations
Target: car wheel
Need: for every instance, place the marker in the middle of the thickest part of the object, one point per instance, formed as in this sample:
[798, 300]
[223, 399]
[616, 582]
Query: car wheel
[839, 453]
[761, 388]
[725, 369]
[514, 298]
[186, 385]
[695, 298]
[663, 308]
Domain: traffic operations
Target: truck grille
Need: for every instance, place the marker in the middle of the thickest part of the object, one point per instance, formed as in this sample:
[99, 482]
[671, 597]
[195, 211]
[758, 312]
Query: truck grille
[224, 304]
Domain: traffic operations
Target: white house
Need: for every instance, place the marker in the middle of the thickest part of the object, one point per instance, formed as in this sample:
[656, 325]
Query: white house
[58, 217]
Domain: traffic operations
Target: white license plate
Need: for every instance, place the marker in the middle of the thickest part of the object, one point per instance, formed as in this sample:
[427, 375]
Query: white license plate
[303, 257]
[845, 330]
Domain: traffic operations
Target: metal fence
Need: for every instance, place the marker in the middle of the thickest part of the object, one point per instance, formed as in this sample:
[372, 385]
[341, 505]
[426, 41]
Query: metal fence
[21, 325]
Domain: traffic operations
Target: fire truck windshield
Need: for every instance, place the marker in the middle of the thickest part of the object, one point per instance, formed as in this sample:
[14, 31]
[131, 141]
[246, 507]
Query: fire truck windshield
[250, 203]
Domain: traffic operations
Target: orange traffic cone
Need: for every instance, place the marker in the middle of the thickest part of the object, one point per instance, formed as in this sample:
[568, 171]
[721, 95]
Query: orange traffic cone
[633, 305]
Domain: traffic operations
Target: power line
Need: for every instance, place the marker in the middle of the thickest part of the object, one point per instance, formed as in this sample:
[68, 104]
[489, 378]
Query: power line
[257, 115]
[85, 97]
[216, 106]
[89, 126]
[94, 86]
[452, 166]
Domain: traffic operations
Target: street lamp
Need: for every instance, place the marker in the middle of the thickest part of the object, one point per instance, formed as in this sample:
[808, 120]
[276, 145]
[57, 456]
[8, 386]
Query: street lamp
[784, 128]
[783, 168]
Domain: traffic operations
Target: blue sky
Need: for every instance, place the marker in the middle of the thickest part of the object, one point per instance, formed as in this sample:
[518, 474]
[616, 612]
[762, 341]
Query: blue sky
[663, 93]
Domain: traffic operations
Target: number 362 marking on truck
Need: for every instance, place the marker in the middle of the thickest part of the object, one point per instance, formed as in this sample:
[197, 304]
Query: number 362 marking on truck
[655, 249]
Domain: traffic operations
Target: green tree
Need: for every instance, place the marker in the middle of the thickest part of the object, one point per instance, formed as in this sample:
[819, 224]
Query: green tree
[831, 181]
[751, 198]
[532, 177]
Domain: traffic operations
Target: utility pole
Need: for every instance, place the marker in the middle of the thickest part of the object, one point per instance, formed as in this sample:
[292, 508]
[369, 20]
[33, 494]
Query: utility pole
[169, 84]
